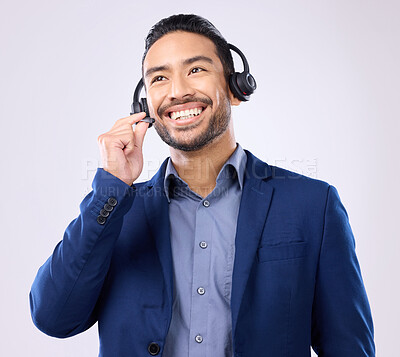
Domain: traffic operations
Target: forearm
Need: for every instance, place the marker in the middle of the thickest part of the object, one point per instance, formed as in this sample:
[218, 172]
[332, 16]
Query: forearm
[66, 289]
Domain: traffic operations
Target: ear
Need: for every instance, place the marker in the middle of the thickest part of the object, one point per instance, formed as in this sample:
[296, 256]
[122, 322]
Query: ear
[234, 101]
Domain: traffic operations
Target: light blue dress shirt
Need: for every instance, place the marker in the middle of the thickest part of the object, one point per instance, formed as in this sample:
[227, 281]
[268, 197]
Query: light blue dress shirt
[203, 249]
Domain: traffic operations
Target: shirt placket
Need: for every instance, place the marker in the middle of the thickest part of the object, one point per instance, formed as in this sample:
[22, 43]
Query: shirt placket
[200, 284]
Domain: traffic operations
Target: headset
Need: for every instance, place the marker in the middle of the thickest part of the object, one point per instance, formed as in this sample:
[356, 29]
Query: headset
[242, 85]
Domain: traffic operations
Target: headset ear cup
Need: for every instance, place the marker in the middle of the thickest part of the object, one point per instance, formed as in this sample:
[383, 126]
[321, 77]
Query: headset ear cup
[246, 83]
[242, 84]
[235, 89]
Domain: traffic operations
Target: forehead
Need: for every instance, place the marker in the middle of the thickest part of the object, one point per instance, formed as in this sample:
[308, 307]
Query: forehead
[174, 47]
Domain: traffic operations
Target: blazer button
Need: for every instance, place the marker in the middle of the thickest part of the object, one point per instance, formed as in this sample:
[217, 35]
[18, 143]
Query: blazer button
[104, 213]
[101, 219]
[108, 207]
[112, 201]
[153, 348]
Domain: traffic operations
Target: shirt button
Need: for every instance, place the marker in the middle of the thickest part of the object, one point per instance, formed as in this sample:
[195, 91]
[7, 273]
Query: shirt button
[206, 203]
[203, 245]
[153, 348]
[201, 291]
[199, 339]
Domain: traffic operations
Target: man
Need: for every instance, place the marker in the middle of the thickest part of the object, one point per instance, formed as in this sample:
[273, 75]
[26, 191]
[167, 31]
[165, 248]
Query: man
[219, 254]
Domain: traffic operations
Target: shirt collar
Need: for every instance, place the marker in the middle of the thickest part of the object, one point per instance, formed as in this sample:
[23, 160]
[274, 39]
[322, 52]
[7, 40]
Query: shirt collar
[237, 161]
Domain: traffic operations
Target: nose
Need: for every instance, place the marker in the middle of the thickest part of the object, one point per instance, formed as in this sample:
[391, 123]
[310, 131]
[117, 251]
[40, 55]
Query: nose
[180, 88]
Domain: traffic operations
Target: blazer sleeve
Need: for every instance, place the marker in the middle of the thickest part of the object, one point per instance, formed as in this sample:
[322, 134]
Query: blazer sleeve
[66, 288]
[342, 324]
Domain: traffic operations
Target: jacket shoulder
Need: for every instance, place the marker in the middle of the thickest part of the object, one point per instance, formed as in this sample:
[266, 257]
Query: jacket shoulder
[287, 176]
[280, 177]
[297, 187]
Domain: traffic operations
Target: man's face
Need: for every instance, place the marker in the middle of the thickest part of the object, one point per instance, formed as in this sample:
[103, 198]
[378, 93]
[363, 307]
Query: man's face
[186, 90]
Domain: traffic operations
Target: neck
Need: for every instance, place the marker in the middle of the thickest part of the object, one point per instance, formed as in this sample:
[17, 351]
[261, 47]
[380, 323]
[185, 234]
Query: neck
[199, 169]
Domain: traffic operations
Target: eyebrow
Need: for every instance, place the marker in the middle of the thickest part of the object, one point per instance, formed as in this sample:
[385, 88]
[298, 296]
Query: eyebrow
[184, 62]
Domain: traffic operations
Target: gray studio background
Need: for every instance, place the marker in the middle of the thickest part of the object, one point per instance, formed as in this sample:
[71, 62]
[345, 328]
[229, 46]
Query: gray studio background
[327, 106]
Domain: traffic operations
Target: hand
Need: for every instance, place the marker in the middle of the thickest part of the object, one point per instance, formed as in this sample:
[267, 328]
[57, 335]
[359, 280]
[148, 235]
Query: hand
[121, 148]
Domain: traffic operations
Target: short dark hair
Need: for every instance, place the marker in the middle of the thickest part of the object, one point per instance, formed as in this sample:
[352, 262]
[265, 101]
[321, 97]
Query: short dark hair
[195, 24]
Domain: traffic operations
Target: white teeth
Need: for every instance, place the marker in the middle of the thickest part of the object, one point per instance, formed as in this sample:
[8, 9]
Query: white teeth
[186, 116]
[188, 113]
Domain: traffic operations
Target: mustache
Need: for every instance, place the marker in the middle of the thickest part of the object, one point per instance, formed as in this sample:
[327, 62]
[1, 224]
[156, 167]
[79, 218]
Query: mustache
[163, 108]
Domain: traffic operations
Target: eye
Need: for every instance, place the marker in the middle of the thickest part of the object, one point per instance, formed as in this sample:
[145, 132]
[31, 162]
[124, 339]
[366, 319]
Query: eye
[157, 79]
[196, 70]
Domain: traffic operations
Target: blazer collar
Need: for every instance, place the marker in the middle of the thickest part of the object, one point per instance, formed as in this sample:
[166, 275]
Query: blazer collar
[253, 211]
[157, 213]
[256, 169]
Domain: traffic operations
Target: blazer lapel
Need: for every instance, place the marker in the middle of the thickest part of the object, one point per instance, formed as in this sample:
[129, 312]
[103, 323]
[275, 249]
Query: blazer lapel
[254, 206]
[157, 212]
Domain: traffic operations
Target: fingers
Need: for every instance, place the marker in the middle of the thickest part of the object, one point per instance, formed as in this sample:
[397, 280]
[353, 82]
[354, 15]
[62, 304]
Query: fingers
[123, 135]
[140, 132]
[134, 118]
[121, 147]
[130, 120]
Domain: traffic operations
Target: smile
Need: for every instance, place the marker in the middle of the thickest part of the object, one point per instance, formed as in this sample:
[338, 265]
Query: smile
[185, 114]
[182, 115]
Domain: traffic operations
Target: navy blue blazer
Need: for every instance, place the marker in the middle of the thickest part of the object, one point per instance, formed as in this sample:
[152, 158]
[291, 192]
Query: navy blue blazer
[296, 277]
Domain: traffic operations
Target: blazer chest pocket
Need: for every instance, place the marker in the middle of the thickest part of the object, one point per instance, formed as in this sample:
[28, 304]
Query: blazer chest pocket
[285, 251]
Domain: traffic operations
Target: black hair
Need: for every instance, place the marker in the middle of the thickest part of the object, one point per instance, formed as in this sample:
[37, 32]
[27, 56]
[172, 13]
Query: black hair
[195, 24]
